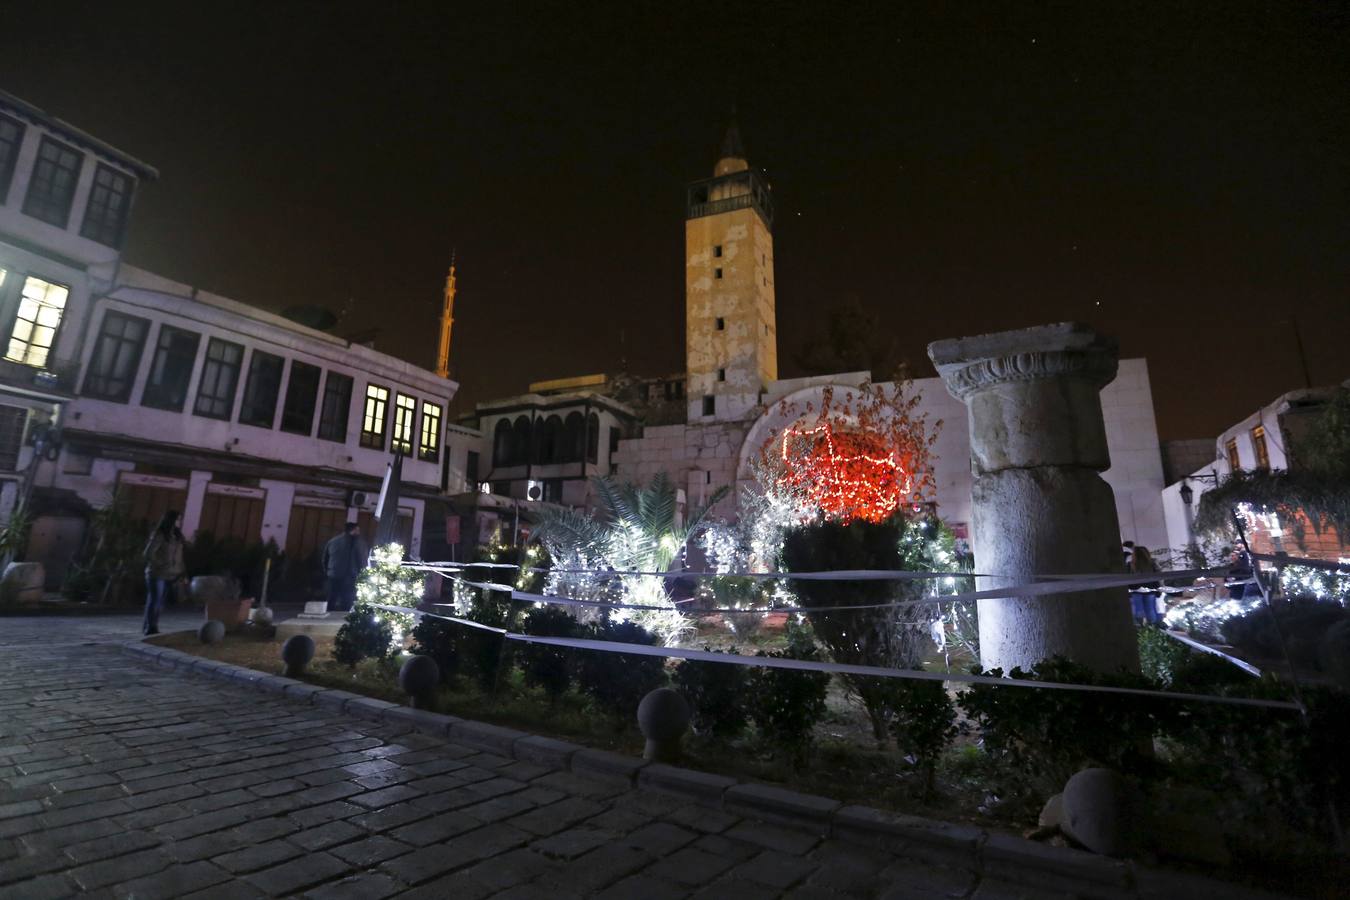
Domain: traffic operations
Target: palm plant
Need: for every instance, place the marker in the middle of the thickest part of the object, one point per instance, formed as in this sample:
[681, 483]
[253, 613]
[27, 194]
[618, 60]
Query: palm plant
[636, 531]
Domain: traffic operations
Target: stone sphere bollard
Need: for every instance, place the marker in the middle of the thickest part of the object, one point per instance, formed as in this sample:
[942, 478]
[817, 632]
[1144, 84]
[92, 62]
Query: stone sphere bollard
[418, 678]
[1099, 812]
[212, 632]
[296, 653]
[663, 717]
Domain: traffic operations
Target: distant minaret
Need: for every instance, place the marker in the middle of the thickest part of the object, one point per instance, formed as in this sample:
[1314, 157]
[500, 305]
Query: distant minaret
[731, 336]
[447, 322]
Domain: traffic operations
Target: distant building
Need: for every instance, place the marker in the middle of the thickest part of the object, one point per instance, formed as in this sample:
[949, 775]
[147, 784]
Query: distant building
[118, 384]
[1267, 439]
[731, 393]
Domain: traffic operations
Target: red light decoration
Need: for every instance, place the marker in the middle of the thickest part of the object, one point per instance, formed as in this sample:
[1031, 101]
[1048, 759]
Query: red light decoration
[847, 474]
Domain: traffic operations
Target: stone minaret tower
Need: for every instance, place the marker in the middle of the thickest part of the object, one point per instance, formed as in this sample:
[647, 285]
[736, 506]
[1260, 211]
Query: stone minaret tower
[731, 338]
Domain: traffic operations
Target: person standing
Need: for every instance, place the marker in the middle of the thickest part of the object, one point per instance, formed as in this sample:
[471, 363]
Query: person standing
[1144, 597]
[163, 568]
[343, 559]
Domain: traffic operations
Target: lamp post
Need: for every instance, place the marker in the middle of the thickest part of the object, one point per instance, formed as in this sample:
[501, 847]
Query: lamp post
[1188, 497]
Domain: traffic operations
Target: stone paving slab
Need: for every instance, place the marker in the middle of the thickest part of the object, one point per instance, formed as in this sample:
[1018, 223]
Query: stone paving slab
[142, 776]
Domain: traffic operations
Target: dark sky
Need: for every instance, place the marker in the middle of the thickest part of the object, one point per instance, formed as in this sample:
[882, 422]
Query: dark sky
[1176, 174]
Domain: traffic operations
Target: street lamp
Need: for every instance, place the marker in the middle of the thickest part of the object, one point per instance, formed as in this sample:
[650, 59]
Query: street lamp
[1187, 494]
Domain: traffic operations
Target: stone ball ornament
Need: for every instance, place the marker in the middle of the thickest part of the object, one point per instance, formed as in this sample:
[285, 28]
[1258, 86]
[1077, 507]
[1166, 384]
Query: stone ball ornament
[663, 717]
[212, 632]
[296, 653]
[418, 678]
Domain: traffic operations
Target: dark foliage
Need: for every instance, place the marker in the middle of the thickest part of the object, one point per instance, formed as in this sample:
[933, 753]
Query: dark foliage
[542, 665]
[884, 636]
[786, 704]
[924, 723]
[1303, 622]
[441, 641]
[363, 635]
[617, 682]
[717, 693]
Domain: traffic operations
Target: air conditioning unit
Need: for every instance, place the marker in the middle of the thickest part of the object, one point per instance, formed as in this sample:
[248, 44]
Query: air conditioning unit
[358, 499]
[534, 490]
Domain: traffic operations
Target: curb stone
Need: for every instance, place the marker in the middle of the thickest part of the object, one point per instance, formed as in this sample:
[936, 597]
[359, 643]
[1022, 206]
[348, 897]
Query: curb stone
[1001, 856]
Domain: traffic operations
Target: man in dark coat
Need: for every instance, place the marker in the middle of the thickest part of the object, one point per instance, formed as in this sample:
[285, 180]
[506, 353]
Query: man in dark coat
[343, 559]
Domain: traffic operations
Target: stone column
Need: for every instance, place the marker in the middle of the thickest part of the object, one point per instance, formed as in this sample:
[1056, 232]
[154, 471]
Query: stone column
[1037, 444]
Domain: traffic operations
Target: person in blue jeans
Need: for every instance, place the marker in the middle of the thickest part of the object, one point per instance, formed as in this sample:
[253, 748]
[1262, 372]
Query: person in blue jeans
[163, 568]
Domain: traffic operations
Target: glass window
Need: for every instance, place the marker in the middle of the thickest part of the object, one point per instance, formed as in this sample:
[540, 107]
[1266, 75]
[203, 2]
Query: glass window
[171, 370]
[11, 136]
[405, 412]
[373, 416]
[337, 406]
[431, 433]
[1259, 445]
[12, 422]
[302, 393]
[41, 305]
[260, 391]
[1234, 465]
[220, 377]
[105, 218]
[112, 368]
[52, 188]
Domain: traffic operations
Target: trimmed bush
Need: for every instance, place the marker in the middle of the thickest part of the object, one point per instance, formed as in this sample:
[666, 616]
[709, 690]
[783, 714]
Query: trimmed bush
[440, 640]
[363, 635]
[717, 693]
[786, 704]
[544, 666]
[617, 682]
[924, 723]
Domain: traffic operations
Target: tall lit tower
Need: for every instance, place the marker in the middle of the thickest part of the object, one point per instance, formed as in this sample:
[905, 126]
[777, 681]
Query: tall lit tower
[731, 338]
[447, 322]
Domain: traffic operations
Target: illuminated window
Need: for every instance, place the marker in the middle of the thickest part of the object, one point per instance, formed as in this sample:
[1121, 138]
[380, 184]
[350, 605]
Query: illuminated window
[11, 136]
[261, 390]
[52, 188]
[1231, 449]
[373, 416]
[302, 393]
[171, 369]
[112, 368]
[1259, 444]
[431, 433]
[41, 305]
[337, 405]
[105, 218]
[220, 378]
[405, 413]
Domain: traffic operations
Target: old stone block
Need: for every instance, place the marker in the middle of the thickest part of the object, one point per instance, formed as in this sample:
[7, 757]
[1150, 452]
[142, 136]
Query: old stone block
[685, 782]
[481, 736]
[927, 837]
[1012, 858]
[420, 720]
[367, 708]
[545, 751]
[779, 804]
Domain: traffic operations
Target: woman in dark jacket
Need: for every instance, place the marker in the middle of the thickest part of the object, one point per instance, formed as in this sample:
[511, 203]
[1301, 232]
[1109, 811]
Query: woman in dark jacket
[163, 567]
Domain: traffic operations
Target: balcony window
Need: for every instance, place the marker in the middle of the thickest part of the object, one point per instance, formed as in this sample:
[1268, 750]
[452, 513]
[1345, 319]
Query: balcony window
[11, 136]
[431, 433]
[52, 188]
[220, 378]
[117, 354]
[405, 412]
[302, 393]
[12, 422]
[373, 417]
[105, 218]
[337, 405]
[171, 369]
[1230, 448]
[260, 391]
[41, 306]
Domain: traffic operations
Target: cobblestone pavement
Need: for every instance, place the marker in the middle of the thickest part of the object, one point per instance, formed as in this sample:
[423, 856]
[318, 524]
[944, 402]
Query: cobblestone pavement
[120, 780]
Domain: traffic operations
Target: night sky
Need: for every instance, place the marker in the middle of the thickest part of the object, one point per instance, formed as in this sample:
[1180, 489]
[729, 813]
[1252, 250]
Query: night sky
[1175, 174]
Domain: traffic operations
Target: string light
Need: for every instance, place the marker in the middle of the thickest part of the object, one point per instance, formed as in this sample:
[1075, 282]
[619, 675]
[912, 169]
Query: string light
[847, 475]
